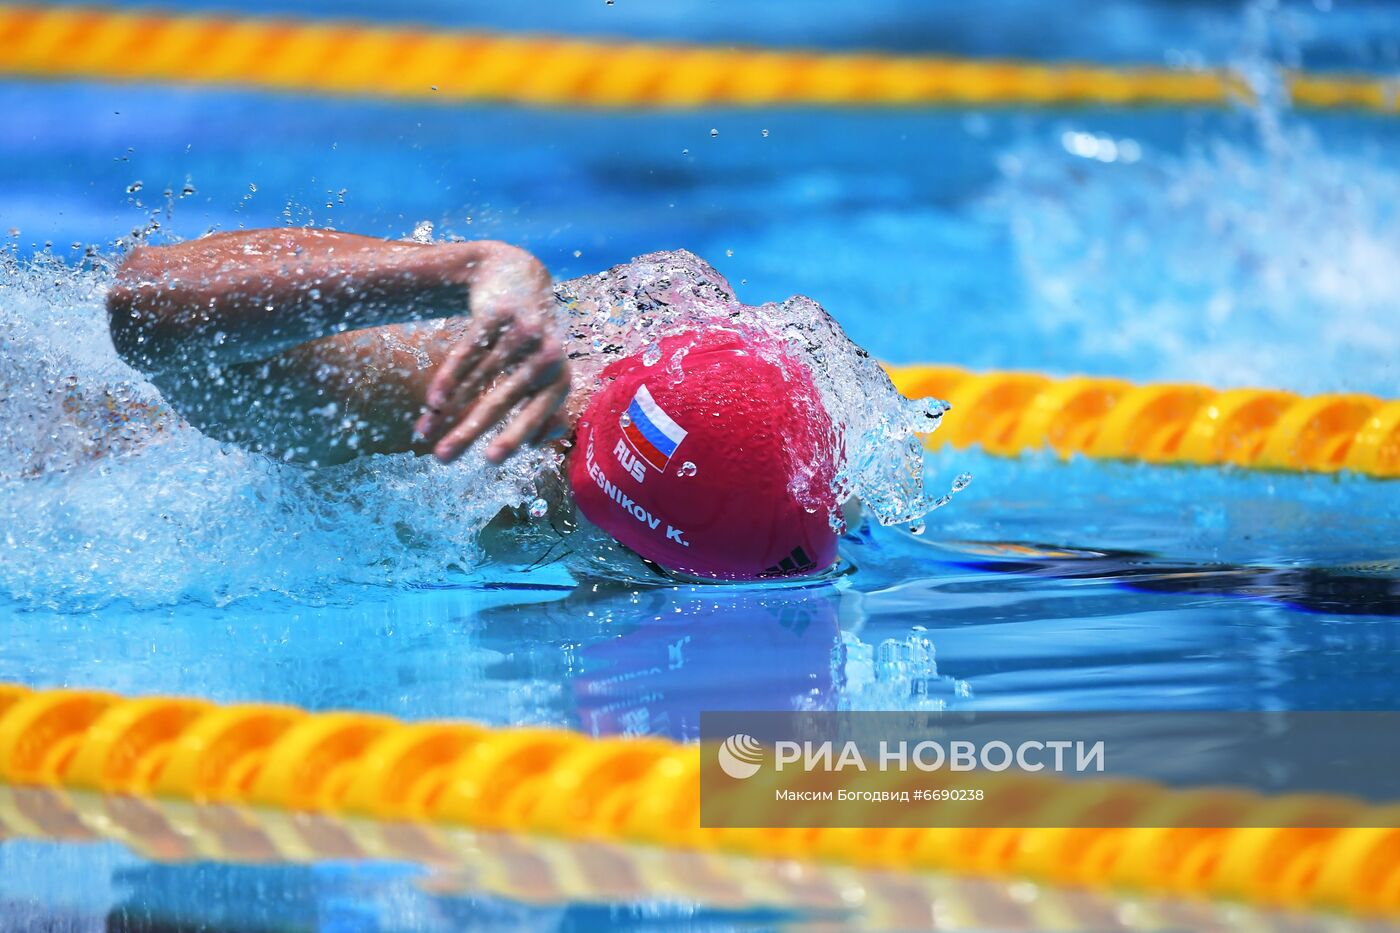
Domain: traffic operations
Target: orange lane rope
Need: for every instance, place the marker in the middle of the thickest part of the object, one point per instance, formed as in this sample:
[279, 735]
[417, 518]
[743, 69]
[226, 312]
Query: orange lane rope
[1012, 412]
[331, 57]
[548, 782]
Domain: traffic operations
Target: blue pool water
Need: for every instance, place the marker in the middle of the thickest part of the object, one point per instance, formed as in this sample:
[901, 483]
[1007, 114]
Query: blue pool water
[1234, 248]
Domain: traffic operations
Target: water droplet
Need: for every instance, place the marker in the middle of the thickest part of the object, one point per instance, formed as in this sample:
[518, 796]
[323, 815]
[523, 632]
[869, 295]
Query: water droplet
[578, 253]
[422, 232]
[685, 152]
[676, 366]
[917, 528]
[252, 188]
[961, 481]
[539, 508]
[765, 134]
[729, 252]
[434, 87]
[134, 187]
[714, 133]
[652, 354]
[686, 469]
[625, 419]
[187, 190]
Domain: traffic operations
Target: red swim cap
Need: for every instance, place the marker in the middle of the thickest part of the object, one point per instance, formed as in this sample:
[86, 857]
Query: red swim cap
[713, 461]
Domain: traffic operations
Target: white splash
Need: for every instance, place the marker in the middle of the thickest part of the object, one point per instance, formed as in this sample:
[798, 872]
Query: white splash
[106, 495]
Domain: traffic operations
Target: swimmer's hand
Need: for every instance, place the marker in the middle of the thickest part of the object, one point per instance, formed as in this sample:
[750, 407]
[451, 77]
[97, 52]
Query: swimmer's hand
[511, 358]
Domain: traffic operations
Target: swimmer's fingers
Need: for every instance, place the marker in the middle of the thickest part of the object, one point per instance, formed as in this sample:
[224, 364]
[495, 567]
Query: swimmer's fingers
[486, 351]
[435, 416]
[444, 397]
[535, 421]
[542, 375]
[512, 348]
[485, 369]
[510, 297]
[481, 337]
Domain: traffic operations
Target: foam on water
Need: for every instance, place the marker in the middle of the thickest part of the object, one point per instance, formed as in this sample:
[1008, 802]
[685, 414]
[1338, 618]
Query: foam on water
[1230, 265]
[1264, 260]
[895, 674]
[107, 495]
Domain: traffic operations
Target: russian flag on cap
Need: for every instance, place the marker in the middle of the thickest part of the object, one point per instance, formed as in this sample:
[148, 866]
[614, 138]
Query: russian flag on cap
[650, 431]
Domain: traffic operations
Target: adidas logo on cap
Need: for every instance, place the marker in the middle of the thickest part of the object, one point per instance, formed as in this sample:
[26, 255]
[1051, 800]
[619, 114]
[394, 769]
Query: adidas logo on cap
[796, 562]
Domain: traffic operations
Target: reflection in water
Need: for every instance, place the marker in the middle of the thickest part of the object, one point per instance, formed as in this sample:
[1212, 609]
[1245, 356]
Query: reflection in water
[656, 657]
[1372, 590]
[663, 656]
[714, 651]
[238, 869]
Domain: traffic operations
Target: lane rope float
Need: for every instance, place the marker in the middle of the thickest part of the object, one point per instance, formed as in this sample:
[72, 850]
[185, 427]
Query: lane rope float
[552, 871]
[1009, 413]
[645, 791]
[357, 59]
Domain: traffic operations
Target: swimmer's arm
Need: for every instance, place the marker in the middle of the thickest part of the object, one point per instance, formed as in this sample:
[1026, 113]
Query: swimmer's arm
[298, 298]
[245, 296]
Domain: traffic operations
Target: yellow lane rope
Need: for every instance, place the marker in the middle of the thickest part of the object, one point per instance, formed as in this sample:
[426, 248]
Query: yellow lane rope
[553, 871]
[1012, 412]
[646, 791]
[330, 57]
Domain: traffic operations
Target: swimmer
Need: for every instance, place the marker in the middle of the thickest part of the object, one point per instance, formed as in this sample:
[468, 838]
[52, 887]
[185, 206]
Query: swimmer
[315, 346]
